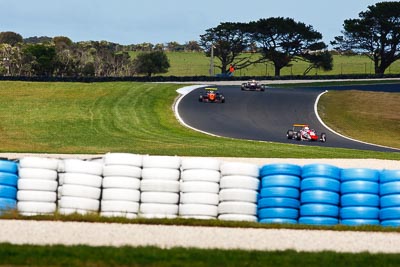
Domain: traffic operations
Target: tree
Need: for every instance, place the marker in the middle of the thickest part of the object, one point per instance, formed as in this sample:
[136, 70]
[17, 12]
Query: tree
[174, 47]
[65, 60]
[228, 41]
[38, 40]
[14, 61]
[122, 64]
[192, 46]
[151, 62]
[62, 42]
[283, 40]
[318, 60]
[376, 34]
[44, 63]
[10, 38]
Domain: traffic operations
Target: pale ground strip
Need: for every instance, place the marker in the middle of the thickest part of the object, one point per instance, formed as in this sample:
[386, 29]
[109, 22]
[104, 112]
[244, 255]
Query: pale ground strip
[113, 234]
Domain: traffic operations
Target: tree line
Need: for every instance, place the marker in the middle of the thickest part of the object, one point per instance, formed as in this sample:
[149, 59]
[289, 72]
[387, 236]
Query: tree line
[59, 56]
[277, 40]
[281, 41]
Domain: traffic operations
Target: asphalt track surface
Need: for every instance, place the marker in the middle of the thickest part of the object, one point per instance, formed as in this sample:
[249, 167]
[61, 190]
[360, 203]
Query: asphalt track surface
[268, 115]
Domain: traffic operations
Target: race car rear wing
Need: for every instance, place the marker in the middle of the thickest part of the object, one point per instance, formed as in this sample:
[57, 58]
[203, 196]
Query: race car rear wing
[300, 125]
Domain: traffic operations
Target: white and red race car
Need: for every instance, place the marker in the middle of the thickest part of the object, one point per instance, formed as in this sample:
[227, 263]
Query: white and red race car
[302, 132]
[253, 85]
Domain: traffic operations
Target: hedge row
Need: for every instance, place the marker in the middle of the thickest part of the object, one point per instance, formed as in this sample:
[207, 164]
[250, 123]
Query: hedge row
[190, 78]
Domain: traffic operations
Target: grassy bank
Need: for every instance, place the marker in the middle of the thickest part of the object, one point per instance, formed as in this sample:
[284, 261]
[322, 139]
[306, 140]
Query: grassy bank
[370, 116]
[124, 117]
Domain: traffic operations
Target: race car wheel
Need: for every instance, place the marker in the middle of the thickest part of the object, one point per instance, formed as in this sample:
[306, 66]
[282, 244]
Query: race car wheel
[298, 136]
[289, 134]
[323, 137]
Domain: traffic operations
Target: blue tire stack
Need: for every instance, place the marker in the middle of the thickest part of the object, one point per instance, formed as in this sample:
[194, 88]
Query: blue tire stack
[279, 195]
[390, 198]
[8, 185]
[320, 196]
[359, 197]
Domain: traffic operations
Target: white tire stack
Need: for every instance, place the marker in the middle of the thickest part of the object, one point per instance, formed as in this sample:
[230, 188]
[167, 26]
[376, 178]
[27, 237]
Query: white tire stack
[199, 188]
[238, 192]
[37, 186]
[121, 183]
[160, 187]
[81, 186]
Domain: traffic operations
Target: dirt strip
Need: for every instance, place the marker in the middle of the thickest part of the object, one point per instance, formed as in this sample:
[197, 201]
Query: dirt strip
[99, 234]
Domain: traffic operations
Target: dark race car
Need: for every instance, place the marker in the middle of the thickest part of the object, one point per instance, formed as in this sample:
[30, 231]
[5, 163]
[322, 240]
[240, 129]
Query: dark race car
[302, 132]
[253, 86]
[212, 95]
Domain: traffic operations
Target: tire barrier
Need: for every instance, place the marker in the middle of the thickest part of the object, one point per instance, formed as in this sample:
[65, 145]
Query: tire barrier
[239, 192]
[389, 213]
[131, 185]
[8, 185]
[81, 186]
[279, 194]
[160, 187]
[120, 185]
[37, 186]
[359, 197]
[199, 197]
[320, 194]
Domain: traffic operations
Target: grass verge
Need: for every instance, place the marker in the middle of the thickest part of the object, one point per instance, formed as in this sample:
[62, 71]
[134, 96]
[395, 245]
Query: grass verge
[29, 255]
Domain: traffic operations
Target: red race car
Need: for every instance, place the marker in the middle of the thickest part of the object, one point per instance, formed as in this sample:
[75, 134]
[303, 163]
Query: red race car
[302, 132]
[212, 95]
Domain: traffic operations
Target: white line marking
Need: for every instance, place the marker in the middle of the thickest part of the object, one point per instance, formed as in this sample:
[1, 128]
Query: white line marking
[184, 91]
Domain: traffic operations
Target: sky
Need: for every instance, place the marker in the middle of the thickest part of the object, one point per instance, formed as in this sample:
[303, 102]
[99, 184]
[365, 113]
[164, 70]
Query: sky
[161, 21]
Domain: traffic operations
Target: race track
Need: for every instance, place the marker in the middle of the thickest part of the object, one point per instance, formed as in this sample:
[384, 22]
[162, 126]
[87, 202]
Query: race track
[266, 116]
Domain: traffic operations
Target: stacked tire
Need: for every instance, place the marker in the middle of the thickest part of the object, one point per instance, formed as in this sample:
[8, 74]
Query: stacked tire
[199, 187]
[8, 185]
[120, 187]
[238, 192]
[37, 186]
[390, 198]
[320, 197]
[279, 194]
[81, 186]
[359, 197]
[160, 187]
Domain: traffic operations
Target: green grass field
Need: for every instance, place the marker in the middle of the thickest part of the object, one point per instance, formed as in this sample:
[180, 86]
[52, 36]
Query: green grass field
[197, 64]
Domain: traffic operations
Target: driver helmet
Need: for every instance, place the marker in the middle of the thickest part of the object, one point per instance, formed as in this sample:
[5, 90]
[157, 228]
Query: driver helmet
[306, 128]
